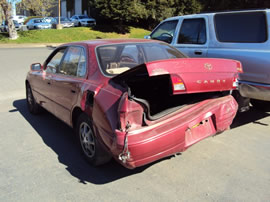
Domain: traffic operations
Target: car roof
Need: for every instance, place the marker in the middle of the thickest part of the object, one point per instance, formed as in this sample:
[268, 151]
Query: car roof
[100, 42]
[213, 13]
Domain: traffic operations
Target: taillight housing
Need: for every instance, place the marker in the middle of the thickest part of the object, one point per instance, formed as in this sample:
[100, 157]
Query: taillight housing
[236, 76]
[178, 84]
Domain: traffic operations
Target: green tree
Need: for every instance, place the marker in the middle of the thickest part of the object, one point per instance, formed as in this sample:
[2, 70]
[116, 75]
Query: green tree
[218, 5]
[38, 7]
[142, 12]
[159, 10]
[6, 8]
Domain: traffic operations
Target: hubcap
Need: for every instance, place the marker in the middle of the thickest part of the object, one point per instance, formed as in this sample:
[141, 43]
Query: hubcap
[87, 140]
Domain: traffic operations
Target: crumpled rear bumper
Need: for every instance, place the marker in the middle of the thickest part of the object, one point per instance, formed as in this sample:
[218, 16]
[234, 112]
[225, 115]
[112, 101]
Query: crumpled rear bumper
[176, 132]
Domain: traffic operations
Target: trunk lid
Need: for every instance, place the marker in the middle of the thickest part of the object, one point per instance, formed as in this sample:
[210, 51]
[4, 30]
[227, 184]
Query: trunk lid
[188, 75]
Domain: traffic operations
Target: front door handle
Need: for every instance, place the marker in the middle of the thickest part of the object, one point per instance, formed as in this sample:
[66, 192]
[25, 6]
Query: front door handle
[198, 52]
[72, 91]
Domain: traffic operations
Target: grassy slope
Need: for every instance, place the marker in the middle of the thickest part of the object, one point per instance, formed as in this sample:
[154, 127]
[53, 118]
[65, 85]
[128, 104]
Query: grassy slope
[69, 34]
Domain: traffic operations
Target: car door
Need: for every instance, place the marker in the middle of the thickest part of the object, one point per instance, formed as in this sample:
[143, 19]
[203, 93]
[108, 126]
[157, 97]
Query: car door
[66, 84]
[192, 37]
[42, 81]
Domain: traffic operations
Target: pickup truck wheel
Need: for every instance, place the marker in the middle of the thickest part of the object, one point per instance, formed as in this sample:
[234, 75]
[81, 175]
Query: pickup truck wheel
[260, 104]
[91, 148]
[32, 105]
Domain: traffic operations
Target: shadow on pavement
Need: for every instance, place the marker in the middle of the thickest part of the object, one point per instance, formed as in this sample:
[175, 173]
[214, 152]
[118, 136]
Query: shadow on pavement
[59, 137]
[251, 116]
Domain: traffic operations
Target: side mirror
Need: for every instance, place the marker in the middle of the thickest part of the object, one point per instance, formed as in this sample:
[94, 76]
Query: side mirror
[36, 67]
[147, 37]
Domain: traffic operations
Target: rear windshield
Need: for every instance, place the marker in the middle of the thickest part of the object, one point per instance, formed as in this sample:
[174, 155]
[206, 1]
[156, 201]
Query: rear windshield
[118, 58]
[247, 27]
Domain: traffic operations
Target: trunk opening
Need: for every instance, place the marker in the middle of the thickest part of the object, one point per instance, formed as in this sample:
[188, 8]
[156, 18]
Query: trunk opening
[155, 95]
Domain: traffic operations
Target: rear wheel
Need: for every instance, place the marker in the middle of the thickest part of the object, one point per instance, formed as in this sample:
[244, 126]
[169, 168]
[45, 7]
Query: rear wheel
[32, 105]
[91, 148]
[260, 104]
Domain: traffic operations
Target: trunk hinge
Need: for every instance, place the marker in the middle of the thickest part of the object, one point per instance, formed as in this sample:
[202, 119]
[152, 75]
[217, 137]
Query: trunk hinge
[125, 154]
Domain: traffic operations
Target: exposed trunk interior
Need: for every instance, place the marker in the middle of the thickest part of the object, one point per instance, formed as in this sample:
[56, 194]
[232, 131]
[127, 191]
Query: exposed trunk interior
[156, 97]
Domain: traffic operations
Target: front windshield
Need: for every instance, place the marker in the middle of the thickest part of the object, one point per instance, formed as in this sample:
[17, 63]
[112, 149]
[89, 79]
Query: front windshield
[61, 19]
[64, 19]
[83, 16]
[118, 58]
[38, 20]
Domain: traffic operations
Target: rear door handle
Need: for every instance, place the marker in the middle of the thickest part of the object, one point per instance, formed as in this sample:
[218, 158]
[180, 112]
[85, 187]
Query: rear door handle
[72, 91]
[198, 52]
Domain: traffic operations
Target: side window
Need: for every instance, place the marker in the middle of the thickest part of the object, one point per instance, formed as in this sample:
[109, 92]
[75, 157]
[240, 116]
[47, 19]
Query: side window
[81, 71]
[55, 61]
[165, 31]
[246, 27]
[193, 31]
[73, 63]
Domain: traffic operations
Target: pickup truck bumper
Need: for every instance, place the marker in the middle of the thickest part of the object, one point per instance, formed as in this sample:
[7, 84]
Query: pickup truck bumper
[253, 90]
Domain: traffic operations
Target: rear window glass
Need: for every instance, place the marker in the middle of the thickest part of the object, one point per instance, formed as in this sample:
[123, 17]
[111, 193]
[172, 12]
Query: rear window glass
[247, 27]
[118, 58]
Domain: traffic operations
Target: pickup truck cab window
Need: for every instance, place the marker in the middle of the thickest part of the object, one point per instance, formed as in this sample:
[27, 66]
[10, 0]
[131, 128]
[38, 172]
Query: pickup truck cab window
[249, 27]
[165, 31]
[192, 31]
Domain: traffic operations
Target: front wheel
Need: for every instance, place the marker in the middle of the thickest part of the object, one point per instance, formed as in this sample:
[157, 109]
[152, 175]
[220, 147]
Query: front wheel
[90, 146]
[32, 105]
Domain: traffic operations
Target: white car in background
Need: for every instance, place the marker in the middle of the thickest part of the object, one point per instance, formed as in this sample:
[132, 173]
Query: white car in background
[19, 18]
[83, 20]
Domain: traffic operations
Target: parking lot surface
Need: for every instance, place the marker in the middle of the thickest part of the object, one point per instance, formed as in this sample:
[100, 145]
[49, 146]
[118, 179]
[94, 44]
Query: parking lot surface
[40, 160]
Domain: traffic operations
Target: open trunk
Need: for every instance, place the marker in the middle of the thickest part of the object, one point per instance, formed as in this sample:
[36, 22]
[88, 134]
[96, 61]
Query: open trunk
[162, 87]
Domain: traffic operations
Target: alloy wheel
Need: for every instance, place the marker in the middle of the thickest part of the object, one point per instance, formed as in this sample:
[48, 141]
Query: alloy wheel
[87, 140]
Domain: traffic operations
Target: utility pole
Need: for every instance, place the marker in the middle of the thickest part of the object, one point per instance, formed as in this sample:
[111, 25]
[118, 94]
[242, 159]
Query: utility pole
[59, 26]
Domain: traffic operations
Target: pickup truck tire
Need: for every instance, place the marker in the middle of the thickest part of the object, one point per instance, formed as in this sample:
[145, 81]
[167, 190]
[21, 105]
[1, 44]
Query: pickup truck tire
[90, 146]
[32, 105]
[260, 105]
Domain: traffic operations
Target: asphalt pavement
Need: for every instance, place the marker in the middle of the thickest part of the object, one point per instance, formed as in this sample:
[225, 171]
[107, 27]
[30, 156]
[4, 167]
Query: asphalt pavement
[40, 161]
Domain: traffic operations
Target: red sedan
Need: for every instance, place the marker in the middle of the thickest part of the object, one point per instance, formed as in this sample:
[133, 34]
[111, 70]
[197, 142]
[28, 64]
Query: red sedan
[134, 100]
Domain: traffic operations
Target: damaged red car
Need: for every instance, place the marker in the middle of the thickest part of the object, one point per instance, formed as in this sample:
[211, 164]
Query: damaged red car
[134, 100]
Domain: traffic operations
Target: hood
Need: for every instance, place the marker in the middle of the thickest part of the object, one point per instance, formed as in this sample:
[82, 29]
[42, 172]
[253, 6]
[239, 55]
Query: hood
[87, 19]
[42, 23]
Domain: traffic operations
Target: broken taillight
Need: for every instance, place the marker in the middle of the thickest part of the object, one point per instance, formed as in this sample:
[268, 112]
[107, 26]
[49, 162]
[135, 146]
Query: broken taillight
[236, 76]
[178, 84]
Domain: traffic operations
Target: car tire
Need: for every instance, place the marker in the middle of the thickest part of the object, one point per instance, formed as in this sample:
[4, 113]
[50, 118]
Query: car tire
[33, 106]
[90, 146]
[79, 24]
[260, 104]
